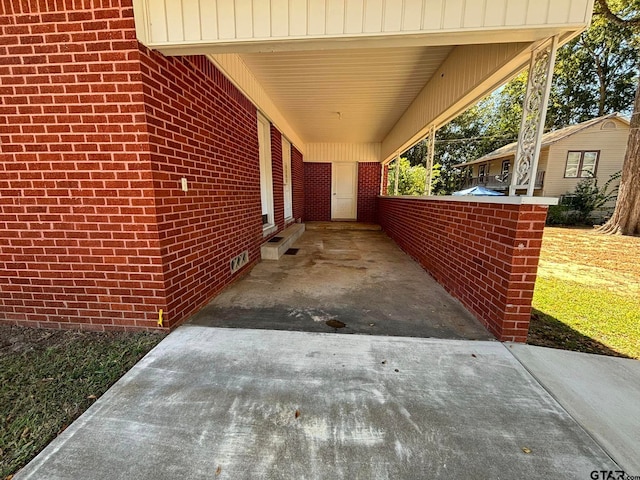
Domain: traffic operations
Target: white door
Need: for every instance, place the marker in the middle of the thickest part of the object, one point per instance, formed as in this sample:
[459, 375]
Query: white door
[286, 177]
[344, 195]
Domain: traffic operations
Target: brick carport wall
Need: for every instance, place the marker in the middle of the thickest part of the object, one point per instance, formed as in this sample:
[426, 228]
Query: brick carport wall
[97, 133]
[484, 254]
[78, 230]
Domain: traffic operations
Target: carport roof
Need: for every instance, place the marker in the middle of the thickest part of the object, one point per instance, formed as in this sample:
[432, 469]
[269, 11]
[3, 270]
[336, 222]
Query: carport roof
[345, 95]
[361, 71]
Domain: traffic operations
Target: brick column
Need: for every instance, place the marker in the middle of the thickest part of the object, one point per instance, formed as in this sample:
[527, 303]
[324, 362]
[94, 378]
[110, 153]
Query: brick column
[368, 191]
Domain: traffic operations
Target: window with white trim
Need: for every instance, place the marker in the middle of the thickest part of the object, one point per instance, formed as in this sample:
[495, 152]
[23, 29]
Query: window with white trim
[482, 172]
[581, 164]
[506, 165]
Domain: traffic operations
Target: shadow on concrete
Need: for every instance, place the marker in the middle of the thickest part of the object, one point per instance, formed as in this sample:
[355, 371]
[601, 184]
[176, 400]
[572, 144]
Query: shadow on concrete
[547, 331]
[359, 278]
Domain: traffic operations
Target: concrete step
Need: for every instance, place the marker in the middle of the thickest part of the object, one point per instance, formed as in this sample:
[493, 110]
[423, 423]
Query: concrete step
[274, 250]
[342, 226]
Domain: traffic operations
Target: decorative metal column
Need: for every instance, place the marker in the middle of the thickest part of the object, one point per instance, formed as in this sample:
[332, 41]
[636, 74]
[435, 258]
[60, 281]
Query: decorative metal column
[534, 111]
[430, 140]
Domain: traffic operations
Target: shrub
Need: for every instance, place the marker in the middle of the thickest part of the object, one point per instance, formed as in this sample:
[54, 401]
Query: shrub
[576, 208]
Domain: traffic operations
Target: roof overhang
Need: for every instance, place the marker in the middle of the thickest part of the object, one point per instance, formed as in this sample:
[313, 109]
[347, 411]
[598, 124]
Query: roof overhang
[360, 72]
[487, 159]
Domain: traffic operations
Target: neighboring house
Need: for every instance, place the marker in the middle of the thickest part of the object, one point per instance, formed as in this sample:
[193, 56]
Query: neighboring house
[595, 148]
[149, 148]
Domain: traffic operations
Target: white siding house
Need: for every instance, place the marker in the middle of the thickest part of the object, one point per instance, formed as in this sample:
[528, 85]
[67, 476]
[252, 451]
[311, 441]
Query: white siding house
[595, 148]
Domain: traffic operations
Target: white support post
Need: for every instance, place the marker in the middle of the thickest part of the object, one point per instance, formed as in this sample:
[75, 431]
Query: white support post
[395, 186]
[534, 111]
[431, 148]
[383, 187]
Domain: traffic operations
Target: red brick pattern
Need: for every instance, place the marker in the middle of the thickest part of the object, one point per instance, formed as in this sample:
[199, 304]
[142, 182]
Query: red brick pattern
[95, 231]
[486, 255]
[203, 129]
[277, 175]
[297, 180]
[317, 192]
[368, 191]
[79, 246]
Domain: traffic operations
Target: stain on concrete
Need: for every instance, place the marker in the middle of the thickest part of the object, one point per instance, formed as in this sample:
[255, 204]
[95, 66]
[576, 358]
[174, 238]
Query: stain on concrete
[360, 278]
[335, 324]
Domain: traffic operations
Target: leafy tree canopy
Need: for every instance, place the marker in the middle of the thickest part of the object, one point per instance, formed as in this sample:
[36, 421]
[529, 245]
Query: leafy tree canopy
[595, 74]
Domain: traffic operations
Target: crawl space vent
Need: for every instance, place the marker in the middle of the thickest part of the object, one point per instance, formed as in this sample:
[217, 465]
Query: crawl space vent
[239, 261]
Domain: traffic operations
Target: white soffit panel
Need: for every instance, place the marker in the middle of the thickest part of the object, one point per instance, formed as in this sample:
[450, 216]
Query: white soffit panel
[345, 96]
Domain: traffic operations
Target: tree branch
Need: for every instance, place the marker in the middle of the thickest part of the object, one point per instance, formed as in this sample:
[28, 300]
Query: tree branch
[603, 9]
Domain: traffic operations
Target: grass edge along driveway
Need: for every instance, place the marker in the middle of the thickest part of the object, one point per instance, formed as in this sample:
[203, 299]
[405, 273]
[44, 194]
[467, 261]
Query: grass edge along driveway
[48, 378]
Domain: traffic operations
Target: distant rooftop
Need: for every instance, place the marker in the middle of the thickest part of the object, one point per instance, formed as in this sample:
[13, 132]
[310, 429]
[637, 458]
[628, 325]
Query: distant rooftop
[547, 139]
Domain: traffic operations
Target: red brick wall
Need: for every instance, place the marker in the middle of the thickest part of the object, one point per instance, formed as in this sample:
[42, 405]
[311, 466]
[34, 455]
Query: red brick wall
[297, 180]
[277, 176]
[368, 191]
[78, 236]
[202, 128]
[317, 192]
[97, 133]
[484, 254]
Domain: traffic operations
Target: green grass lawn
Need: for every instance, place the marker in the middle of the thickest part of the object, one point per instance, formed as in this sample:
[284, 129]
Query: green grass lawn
[584, 318]
[48, 378]
[587, 295]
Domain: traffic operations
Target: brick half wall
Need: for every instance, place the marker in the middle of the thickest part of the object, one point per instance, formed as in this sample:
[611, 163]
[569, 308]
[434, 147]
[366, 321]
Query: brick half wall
[484, 254]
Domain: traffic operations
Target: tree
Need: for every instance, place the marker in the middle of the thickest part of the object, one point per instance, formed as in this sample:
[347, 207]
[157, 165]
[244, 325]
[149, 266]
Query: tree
[594, 74]
[470, 135]
[626, 217]
[588, 196]
[411, 180]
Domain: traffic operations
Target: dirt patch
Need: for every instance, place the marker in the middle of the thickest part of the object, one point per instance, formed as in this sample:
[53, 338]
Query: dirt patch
[621, 283]
[16, 340]
[584, 256]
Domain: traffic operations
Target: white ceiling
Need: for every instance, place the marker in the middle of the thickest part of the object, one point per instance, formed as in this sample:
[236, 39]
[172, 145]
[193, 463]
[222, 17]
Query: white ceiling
[371, 88]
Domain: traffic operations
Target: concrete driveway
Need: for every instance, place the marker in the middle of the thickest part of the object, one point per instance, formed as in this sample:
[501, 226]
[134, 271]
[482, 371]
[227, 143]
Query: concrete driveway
[235, 403]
